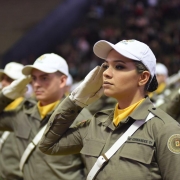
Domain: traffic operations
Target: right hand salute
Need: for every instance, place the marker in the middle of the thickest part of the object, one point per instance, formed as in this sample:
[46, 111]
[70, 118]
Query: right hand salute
[17, 88]
[90, 89]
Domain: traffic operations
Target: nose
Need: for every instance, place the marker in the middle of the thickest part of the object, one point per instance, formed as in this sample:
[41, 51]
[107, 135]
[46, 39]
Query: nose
[107, 73]
[35, 83]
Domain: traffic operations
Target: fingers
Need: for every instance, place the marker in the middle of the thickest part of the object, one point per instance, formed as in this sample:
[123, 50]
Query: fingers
[100, 72]
[92, 74]
[100, 92]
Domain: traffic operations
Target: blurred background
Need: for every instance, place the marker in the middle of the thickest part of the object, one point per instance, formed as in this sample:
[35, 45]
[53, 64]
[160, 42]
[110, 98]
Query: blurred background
[70, 28]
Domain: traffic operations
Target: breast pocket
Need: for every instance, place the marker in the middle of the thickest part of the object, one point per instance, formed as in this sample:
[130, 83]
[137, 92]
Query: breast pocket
[22, 131]
[91, 150]
[137, 150]
[93, 147]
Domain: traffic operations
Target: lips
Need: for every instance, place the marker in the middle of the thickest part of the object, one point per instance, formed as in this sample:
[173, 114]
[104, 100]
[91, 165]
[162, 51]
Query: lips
[38, 92]
[107, 83]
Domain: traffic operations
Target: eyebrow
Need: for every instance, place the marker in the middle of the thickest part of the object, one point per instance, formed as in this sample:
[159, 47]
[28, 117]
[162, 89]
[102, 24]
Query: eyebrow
[117, 61]
[45, 74]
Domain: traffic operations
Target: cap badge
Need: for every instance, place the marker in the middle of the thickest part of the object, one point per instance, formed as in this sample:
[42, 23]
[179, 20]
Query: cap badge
[41, 58]
[127, 41]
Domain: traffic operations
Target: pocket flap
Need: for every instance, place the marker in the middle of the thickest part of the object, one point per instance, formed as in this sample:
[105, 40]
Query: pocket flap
[23, 130]
[138, 151]
[92, 147]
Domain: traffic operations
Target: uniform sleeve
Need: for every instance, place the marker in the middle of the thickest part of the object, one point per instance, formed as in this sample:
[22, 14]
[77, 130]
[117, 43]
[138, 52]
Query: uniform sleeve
[168, 151]
[4, 101]
[6, 118]
[58, 138]
[172, 107]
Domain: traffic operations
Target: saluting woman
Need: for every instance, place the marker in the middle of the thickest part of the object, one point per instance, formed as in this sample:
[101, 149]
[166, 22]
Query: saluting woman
[148, 140]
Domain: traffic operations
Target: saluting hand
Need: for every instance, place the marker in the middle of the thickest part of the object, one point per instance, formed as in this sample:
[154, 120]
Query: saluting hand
[17, 88]
[90, 89]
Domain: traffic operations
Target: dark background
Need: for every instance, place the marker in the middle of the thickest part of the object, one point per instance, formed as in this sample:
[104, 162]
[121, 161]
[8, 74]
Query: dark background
[70, 28]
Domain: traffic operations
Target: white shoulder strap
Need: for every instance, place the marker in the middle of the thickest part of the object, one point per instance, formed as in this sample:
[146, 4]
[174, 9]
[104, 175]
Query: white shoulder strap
[105, 157]
[3, 138]
[30, 147]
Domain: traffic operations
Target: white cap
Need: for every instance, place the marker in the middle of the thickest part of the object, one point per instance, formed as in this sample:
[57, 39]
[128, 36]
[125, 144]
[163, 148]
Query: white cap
[12, 70]
[132, 49]
[48, 63]
[161, 69]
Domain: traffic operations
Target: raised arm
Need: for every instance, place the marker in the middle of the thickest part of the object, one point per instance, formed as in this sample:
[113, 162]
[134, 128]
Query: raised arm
[58, 137]
[8, 94]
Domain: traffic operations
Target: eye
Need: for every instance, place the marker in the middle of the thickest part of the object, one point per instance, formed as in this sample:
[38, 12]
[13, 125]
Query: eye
[44, 78]
[105, 66]
[33, 78]
[119, 66]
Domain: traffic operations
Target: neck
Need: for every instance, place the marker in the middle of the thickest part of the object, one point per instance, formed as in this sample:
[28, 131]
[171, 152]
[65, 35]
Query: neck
[49, 101]
[127, 101]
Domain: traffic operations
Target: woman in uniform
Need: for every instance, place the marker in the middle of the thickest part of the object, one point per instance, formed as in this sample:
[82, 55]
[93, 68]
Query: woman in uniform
[132, 141]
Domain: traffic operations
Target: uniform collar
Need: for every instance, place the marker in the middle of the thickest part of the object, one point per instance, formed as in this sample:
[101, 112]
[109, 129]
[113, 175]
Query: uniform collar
[142, 110]
[140, 113]
[34, 112]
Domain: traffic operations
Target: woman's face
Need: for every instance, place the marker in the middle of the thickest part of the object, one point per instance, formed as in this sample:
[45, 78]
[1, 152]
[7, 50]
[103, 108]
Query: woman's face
[120, 79]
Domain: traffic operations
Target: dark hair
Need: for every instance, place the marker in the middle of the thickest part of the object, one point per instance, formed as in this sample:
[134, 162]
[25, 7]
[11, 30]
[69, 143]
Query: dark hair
[58, 73]
[151, 85]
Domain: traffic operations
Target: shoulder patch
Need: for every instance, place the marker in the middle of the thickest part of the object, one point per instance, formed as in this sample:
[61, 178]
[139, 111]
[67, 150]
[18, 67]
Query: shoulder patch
[174, 143]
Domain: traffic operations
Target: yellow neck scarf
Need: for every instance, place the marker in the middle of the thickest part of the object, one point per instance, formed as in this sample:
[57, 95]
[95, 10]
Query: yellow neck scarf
[120, 114]
[14, 104]
[44, 110]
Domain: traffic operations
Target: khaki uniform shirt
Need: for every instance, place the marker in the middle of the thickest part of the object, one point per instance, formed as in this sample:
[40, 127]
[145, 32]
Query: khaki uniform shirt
[103, 103]
[26, 123]
[9, 159]
[152, 153]
[172, 107]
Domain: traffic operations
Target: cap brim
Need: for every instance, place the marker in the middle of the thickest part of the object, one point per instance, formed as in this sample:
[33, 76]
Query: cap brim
[102, 48]
[6, 73]
[27, 70]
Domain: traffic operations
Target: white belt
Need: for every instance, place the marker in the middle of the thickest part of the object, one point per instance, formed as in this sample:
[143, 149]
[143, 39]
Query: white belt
[30, 147]
[105, 157]
[3, 138]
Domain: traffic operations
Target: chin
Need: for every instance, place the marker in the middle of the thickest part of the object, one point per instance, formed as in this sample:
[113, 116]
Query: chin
[107, 93]
[39, 98]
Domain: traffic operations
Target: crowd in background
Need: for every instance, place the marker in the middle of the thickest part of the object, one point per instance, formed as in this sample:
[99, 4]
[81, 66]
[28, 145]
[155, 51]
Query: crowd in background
[154, 22]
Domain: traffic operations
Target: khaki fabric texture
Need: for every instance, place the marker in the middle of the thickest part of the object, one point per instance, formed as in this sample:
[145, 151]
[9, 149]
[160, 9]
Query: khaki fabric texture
[172, 107]
[103, 103]
[9, 159]
[144, 156]
[25, 122]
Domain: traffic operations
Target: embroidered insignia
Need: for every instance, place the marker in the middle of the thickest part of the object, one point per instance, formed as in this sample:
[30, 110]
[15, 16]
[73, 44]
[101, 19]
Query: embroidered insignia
[127, 41]
[174, 143]
[40, 59]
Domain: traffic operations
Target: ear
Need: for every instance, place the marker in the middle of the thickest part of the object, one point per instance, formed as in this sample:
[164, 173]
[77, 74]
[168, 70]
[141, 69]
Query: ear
[144, 77]
[62, 80]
